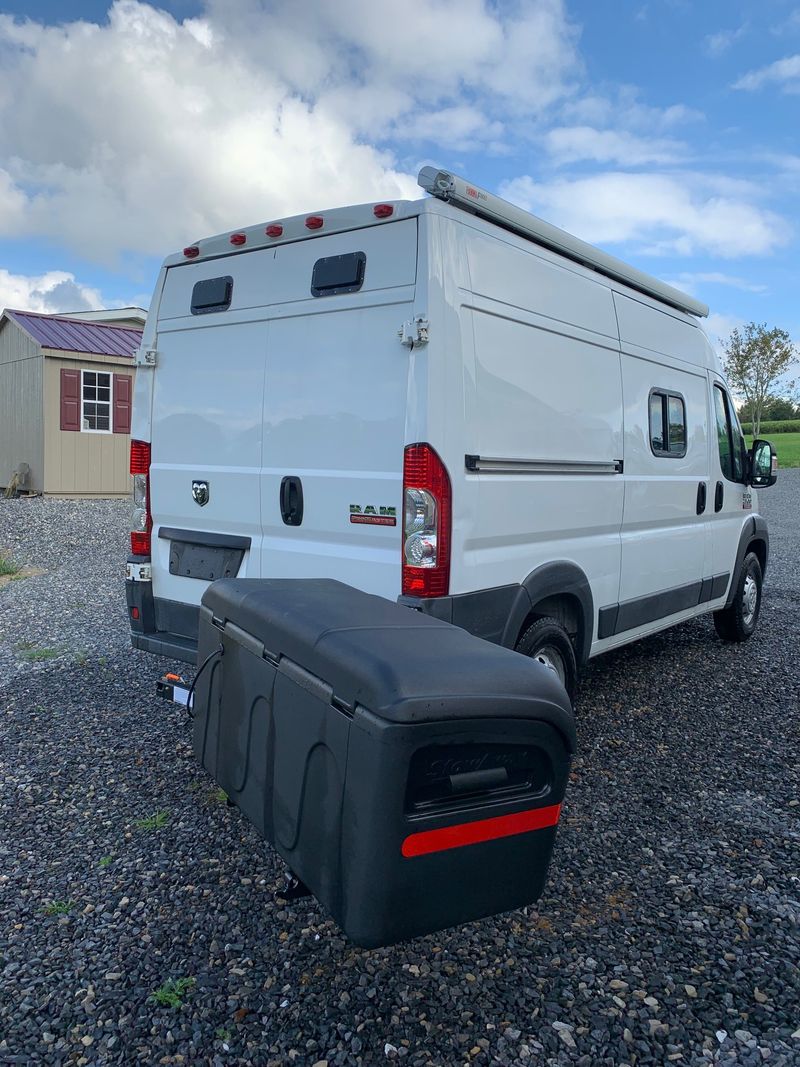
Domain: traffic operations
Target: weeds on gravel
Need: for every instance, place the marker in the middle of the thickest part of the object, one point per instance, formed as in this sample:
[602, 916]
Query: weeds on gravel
[105, 861]
[59, 907]
[223, 1034]
[220, 796]
[157, 821]
[7, 568]
[171, 993]
[37, 655]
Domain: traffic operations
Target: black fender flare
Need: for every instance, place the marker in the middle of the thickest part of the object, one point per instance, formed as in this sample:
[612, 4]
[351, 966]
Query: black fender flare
[754, 529]
[554, 579]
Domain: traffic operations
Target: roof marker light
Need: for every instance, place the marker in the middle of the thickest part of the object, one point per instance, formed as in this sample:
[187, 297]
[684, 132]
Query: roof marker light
[238, 238]
[314, 222]
[192, 252]
[383, 211]
[274, 231]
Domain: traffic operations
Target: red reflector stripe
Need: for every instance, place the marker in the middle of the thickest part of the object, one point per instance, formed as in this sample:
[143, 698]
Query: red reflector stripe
[474, 833]
[374, 520]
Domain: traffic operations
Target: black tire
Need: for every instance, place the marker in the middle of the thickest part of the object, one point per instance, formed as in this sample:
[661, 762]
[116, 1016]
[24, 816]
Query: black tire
[548, 641]
[738, 622]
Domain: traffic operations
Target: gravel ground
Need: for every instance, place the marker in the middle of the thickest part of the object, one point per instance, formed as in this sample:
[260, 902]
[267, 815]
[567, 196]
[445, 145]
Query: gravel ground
[669, 931]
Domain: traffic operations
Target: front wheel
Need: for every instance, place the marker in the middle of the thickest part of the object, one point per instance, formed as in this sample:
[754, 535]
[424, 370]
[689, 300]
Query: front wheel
[547, 641]
[738, 622]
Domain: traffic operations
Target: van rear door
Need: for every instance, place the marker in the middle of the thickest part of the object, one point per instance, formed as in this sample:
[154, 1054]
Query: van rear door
[335, 408]
[280, 372]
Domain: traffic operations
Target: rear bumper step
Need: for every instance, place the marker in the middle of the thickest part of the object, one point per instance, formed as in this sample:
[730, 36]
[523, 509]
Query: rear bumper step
[162, 627]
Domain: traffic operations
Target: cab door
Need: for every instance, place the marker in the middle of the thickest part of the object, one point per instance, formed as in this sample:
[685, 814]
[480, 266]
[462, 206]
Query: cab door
[730, 498]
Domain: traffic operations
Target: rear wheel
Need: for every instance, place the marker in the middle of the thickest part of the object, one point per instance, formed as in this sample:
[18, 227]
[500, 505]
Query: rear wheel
[738, 622]
[547, 641]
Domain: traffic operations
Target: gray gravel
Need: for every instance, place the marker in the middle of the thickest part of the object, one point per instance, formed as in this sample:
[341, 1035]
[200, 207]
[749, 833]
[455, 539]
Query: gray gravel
[669, 932]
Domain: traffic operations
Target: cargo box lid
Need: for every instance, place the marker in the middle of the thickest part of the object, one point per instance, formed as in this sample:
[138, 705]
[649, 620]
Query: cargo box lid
[401, 665]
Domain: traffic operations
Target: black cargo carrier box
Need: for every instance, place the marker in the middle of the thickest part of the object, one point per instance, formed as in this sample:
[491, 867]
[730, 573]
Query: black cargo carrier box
[410, 774]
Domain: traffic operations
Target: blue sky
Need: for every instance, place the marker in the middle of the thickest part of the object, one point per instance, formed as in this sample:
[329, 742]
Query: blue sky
[666, 131]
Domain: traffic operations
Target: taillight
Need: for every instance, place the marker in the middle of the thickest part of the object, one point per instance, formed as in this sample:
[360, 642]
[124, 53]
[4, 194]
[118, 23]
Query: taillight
[141, 519]
[427, 517]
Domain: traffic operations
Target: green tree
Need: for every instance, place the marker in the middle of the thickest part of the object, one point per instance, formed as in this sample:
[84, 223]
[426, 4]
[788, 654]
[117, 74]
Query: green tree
[776, 409]
[756, 359]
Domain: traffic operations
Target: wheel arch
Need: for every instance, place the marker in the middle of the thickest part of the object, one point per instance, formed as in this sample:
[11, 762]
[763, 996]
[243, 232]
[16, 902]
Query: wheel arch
[560, 589]
[753, 538]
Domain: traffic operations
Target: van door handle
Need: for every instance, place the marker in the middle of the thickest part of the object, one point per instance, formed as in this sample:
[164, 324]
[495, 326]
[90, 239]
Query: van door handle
[719, 496]
[701, 497]
[291, 497]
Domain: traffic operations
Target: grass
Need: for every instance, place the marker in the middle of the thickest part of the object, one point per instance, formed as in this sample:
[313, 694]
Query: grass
[59, 907]
[157, 821]
[223, 1033]
[172, 992]
[105, 861]
[220, 796]
[787, 445]
[36, 655]
[7, 567]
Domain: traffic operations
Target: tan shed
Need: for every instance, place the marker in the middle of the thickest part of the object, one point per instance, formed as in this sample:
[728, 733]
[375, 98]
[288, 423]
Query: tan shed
[66, 387]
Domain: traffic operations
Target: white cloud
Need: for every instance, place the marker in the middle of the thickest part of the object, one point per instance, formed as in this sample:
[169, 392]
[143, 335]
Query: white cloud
[678, 213]
[621, 108]
[148, 132]
[54, 291]
[718, 329]
[690, 281]
[569, 144]
[783, 72]
[718, 43]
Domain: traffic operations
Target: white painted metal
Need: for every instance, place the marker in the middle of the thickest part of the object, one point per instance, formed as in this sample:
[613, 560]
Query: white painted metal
[484, 341]
[464, 194]
[738, 501]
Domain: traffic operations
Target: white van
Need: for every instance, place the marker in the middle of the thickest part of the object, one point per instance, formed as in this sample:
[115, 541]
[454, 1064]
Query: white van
[447, 402]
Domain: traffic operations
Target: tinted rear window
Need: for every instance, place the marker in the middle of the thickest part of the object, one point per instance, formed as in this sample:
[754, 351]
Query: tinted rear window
[338, 274]
[213, 294]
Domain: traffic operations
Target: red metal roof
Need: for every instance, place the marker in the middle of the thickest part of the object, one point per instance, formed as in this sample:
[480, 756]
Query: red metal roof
[75, 335]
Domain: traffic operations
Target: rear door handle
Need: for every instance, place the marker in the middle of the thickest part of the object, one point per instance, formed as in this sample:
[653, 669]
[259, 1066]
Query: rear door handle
[701, 497]
[719, 496]
[291, 497]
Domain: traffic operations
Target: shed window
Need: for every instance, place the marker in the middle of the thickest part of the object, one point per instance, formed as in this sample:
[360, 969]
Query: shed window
[96, 402]
[667, 424]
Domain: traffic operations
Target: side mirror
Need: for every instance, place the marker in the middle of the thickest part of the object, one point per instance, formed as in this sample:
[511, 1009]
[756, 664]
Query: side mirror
[763, 464]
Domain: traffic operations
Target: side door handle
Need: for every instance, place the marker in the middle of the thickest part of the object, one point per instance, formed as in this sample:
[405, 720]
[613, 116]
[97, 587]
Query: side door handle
[719, 496]
[701, 497]
[291, 498]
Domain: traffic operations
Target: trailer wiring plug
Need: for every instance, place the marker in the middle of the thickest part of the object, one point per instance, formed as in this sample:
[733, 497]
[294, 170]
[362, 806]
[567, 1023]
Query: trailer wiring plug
[220, 651]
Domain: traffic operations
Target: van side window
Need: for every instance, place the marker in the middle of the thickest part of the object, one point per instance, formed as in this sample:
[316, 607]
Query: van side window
[338, 274]
[667, 424]
[729, 437]
[212, 294]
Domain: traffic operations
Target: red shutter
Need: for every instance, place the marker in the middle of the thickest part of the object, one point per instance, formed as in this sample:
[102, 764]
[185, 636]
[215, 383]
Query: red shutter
[122, 403]
[70, 400]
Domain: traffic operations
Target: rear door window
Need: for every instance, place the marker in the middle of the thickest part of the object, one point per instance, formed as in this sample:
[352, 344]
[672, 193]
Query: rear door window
[212, 294]
[338, 274]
